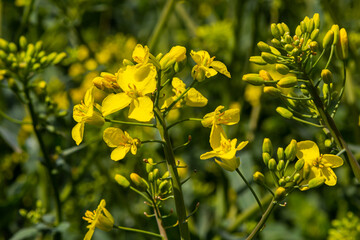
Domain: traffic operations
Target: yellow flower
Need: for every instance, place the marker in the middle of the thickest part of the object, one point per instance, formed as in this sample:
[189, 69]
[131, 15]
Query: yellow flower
[85, 113]
[319, 165]
[206, 66]
[136, 81]
[106, 82]
[176, 54]
[121, 141]
[100, 218]
[214, 119]
[192, 98]
[141, 54]
[225, 149]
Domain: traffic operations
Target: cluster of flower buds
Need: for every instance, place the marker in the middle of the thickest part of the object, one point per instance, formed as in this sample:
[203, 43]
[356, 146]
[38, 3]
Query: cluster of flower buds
[25, 58]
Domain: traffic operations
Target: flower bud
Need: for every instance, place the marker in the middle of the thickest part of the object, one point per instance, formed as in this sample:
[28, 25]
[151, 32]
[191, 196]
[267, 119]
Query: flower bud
[151, 177]
[285, 113]
[12, 47]
[298, 31]
[342, 47]
[328, 143]
[310, 26]
[275, 51]
[299, 164]
[296, 177]
[149, 165]
[22, 42]
[166, 175]
[282, 182]
[269, 57]
[280, 193]
[275, 31]
[259, 177]
[122, 181]
[306, 171]
[281, 165]
[336, 30]
[289, 47]
[38, 46]
[303, 26]
[287, 82]
[328, 39]
[257, 60]
[253, 79]
[326, 75]
[3, 55]
[313, 46]
[280, 28]
[282, 69]
[59, 58]
[316, 18]
[265, 75]
[316, 182]
[163, 187]
[139, 182]
[266, 157]
[276, 42]
[272, 164]
[263, 47]
[156, 173]
[288, 39]
[290, 151]
[267, 146]
[3, 44]
[272, 91]
[285, 27]
[280, 153]
[314, 34]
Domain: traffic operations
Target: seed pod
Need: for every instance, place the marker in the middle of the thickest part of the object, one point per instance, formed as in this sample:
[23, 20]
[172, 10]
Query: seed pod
[257, 60]
[266, 157]
[272, 91]
[314, 34]
[259, 177]
[267, 146]
[275, 31]
[282, 69]
[280, 153]
[269, 57]
[316, 182]
[316, 18]
[285, 27]
[122, 181]
[342, 47]
[253, 79]
[287, 82]
[139, 182]
[272, 164]
[280, 193]
[299, 164]
[328, 39]
[290, 151]
[326, 76]
[263, 47]
[284, 112]
[336, 30]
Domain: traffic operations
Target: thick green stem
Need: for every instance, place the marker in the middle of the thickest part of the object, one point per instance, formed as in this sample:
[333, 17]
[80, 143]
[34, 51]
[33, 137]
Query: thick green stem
[329, 123]
[176, 184]
[138, 231]
[262, 221]
[48, 163]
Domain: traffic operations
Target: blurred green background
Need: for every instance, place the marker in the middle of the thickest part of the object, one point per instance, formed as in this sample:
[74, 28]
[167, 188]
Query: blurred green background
[97, 35]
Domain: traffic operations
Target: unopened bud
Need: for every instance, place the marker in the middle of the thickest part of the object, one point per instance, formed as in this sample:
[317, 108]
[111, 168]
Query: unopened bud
[275, 51]
[296, 177]
[314, 34]
[269, 57]
[253, 79]
[156, 173]
[259, 177]
[38, 46]
[22, 42]
[299, 164]
[257, 60]
[285, 113]
[139, 182]
[298, 31]
[328, 143]
[265, 75]
[336, 30]
[342, 47]
[281, 165]
[282, 69]
[303, 26]
[285, 27]
[313, 46]
[149, 165]
[122, 181]
[316, 18]
[328, 39]
[310, 26]
[275, 31]
[272, 91]
[287, 82]
[327, 76]
[289, 47]
[276, 42]
[272, 164]
[263, 47]
[290, 151]
[12, 47]
[266, 157]
[163, 185]
[316, 182]
[151, 177]
[267, 146]
[59, 58]
[280, 153]
[280, 193]
[282, 182]
[3, 44]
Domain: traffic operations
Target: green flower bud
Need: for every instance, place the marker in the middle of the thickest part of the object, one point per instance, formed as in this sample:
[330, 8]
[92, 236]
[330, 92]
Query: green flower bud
[282, 182]
[281, 165]
[316, 182]
[328, 143]
[289, 47]
[326, 76]
[259, 177]
[51, 56]
[285, 113]
[59, 57]
[139, 182]
[122, 181]
[38, 46]
[151, 177]
[272, 91]
[12, 47]
[36, 66]
[3, 55]
[285, 27]
[257, 60]
[275, 51]
[266, 157]
[253, 79]
[280, 28]
[288, 39]
[328, 39]
[297, 177]
[276, 42]
[314, 34]
[127, 62]
[316, 18]
[275, 31]
[306, 171]
[263, 47]
[298, 31]
[282, 69]
[3, 44]
[267, 146]
[163, 187]
[43, 60]
[336, 30]
[22, 42]
[280, 193]
[272, 164]
[290, 151]
[303, 26]
[166, 175]
[156, 173]
[342, 47]
[287, 179]
[280, 153]
[269, 57]
[313, 46]
[149, 165]
[310, 26]
[299, 164]
[287, 82]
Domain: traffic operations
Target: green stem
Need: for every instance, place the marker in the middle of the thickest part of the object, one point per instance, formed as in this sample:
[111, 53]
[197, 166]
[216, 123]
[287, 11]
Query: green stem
[307, 122]
[183, 120]
[153, 141]
[138, 231]
[25, 19]
[179, 97]
[13, 119]
[262, 221]
[48, 164]
[251, 189]
[329, 123]
[176, 184]
[164, 17]
[158, 218]
[130, 123]
[317, 60]
[141, 194]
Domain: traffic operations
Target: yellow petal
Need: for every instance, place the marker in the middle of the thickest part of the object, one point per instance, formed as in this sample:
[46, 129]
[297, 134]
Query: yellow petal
[89, 234]
[208, 155]
[115, 102]
[195, 98]
[330, 177]
[89, 96]
[114, 137]
[217, 132]
[221, 68]
[307, 150]
[230, 117]
[77, 132]
[178, 84]
[209, 72]
[229, 165]
[196, 57]
[333, 160]
[119, 153]
[242, 145]
[140, 54]
[141, 109]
